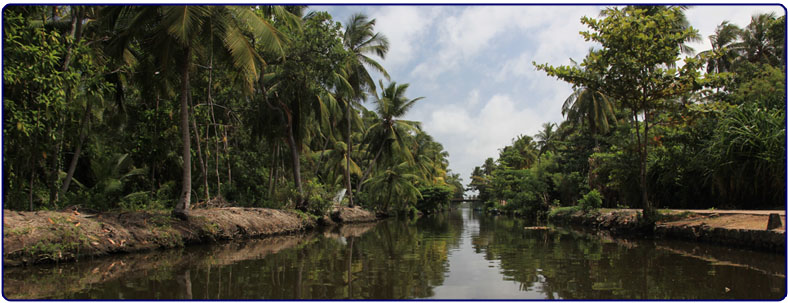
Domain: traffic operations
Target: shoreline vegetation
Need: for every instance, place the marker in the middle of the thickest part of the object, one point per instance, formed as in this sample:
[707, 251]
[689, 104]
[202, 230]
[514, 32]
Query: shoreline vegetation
[68, 235]
[63, 236]
[651, 125]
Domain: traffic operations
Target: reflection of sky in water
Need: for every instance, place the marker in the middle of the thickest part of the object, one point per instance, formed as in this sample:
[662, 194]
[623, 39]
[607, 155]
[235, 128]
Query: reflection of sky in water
[471, 276]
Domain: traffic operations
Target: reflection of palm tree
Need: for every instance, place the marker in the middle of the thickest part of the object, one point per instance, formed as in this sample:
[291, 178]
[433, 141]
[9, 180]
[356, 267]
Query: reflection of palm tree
[389, 134]
[360, 39]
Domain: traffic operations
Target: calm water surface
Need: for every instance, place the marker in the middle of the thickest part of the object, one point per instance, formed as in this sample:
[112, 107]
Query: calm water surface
[460, 254]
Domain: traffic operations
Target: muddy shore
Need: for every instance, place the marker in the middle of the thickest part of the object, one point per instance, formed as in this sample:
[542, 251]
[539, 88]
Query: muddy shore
[55, 236]
[731, 229]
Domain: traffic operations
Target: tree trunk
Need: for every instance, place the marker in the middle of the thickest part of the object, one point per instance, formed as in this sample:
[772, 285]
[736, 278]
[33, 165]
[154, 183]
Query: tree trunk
[648, 210]
[73, 165]
[300, 202]
[203, 167]
[347, 157]
[369, 169]
[53, 176]
[273, 175]
[182, 208]
[32, 178]
[226, 140]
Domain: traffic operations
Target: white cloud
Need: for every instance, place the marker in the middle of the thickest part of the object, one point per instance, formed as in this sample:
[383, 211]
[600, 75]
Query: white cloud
[474, 66]
[470, 137]
[405, 27]
[481, 29]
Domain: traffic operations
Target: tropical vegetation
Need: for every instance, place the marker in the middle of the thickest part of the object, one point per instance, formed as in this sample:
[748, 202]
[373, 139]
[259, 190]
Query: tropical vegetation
[172, 107]
[644, 130]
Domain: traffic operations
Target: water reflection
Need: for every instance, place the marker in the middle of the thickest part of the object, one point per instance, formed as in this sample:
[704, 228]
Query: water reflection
[456, 255]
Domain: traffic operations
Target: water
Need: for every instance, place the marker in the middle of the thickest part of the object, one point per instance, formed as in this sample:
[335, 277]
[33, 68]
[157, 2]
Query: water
[461, 254]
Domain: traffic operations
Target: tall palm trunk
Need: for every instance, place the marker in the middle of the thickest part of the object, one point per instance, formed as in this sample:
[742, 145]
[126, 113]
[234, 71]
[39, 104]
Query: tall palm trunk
[347, 158]
[182, 208]
[301, 202]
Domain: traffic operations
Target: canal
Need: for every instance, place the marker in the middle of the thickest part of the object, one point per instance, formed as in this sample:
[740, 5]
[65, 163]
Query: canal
[461, 254]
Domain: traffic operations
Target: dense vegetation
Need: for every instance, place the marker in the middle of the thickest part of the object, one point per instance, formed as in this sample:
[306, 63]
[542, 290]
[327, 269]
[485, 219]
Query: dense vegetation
[172, 107]
[647, 131]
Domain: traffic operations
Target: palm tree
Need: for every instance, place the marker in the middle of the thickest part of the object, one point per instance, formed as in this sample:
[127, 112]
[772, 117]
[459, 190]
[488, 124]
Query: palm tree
[360, 39]
[546, 138]
[756, 43]
[589, 105]
[389, 135]
[724, 47]
[173, 33]
[396, 181]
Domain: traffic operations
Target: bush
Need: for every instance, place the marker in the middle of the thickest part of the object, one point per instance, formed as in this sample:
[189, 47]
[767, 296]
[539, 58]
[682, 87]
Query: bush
[591, 200]
[433, 198]
[318, 197]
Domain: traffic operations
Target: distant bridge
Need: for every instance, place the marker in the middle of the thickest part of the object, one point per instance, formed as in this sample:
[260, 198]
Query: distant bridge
[465, 200]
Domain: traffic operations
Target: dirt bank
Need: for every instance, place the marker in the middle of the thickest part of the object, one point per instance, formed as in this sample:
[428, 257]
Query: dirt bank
[49, 236]
[741, 228]
[352, 215]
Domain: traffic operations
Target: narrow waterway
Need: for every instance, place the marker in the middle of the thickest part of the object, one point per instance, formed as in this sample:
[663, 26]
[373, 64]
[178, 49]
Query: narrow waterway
[461, 254]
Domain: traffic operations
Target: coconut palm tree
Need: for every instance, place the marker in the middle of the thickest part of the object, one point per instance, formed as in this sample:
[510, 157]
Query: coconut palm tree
[390, 135]
[724, 47]
[546, 138]
[395, 182]
[171, 35]
[756, 43]
[589, 106]
[361, 40]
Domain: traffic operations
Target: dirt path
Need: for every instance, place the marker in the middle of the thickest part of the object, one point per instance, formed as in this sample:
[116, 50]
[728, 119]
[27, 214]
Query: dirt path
[728, 219]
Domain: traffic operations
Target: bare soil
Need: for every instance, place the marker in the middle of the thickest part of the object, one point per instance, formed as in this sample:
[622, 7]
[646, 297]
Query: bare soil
[742, 228]
[752, 220]
[52, 236]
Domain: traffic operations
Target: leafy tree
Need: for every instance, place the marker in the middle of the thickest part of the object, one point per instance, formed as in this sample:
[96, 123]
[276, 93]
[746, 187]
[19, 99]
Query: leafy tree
[637, 47]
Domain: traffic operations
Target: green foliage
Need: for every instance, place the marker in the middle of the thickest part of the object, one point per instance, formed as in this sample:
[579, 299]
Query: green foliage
[433, 198]
[747, 153]
[319, 197]
[590, 201]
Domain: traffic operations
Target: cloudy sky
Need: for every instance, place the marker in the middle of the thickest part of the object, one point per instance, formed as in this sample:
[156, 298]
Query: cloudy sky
[473, 66]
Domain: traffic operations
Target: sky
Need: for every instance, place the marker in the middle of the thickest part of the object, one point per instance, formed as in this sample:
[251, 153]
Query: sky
[473, 66]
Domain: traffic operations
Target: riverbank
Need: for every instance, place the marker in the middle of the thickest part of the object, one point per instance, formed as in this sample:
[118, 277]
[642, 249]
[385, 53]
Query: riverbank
[55, 236]
[733, 228]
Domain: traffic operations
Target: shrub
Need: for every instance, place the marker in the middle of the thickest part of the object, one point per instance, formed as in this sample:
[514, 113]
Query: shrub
[433, 198]
[591, 200]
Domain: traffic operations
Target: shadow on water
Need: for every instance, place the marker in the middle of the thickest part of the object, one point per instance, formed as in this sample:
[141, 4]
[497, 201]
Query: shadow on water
[460, 254]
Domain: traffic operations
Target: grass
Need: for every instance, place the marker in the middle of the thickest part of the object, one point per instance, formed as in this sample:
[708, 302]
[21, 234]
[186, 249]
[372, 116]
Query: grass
[68, 239]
